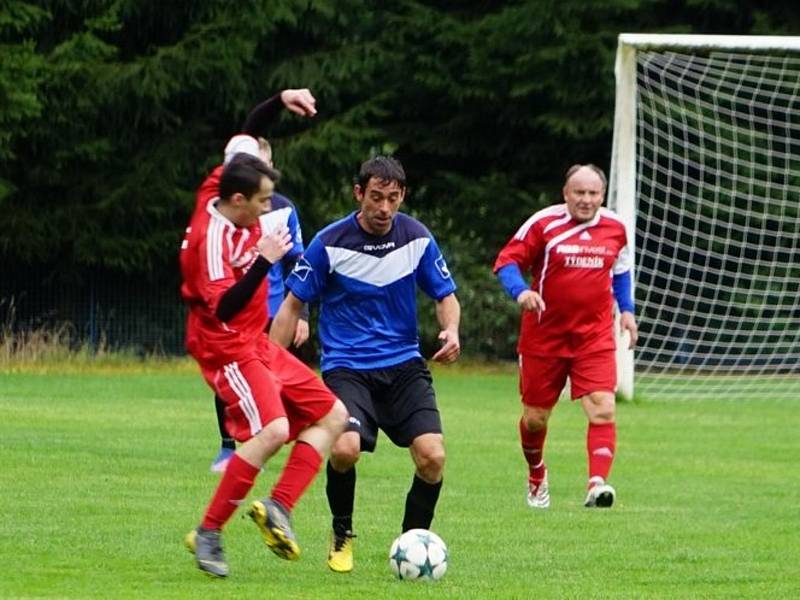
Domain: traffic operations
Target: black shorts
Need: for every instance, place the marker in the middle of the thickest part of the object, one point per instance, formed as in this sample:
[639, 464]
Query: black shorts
[398, 400]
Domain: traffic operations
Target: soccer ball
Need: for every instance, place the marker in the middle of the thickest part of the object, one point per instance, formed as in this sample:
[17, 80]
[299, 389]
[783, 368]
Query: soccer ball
[418, 554]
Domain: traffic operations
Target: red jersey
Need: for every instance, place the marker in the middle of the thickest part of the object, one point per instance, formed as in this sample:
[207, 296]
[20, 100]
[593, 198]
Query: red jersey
[208, 190]
[215, 254]
[571, 264]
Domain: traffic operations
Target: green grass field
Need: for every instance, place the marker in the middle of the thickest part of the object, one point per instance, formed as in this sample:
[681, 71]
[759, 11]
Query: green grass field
[103, 474]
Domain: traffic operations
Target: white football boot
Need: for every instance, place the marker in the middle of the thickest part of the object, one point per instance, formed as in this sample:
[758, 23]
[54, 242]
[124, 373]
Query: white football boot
[539, 495]
[601, 495]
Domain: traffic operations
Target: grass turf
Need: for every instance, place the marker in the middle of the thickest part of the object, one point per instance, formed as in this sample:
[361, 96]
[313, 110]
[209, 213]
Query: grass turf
[103, 474]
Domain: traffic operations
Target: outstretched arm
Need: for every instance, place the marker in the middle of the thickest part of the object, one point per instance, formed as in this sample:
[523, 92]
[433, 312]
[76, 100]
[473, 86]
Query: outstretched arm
[448, 314]
[298, 101]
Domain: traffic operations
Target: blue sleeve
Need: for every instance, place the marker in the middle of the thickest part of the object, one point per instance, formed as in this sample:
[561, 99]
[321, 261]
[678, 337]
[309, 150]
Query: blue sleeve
[512, 280]
[433, 276]
[623, 291]
[309, 276]
[297, 235]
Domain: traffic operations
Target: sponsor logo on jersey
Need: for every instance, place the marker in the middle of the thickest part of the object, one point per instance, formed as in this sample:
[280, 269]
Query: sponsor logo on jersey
[584, 262]
[578, 249]
[585, 236]
[375, 247]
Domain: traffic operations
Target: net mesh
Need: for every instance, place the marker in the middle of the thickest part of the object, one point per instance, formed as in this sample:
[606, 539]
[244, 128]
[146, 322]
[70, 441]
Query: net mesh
[717, 226]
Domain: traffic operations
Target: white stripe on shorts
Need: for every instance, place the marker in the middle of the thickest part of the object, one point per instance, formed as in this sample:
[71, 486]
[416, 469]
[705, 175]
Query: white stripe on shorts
[246, 402]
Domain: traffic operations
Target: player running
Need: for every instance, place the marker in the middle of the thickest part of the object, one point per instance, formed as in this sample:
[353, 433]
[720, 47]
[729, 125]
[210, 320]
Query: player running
[576, 252]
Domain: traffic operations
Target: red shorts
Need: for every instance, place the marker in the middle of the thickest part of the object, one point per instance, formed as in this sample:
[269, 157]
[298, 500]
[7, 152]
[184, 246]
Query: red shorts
[271, 383]
[541, 378]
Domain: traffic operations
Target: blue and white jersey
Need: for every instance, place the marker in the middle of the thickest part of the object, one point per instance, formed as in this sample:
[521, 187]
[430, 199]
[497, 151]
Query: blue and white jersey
[283, 213]
[367, 288]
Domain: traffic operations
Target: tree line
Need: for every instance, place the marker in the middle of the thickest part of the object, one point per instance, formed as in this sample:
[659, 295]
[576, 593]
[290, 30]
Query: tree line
[112, 111]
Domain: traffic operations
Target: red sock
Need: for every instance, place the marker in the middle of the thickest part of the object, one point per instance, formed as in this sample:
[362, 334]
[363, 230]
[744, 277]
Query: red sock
[232, 490]
[601, 442]
[532, 450]
[301, 468]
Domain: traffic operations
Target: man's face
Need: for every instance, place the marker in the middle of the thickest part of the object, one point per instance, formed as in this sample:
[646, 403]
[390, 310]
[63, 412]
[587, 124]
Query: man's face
[257, 204]
[380, 200]
[583, 194]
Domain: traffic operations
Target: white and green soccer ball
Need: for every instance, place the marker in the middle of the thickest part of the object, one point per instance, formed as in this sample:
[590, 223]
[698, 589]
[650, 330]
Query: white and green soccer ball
[418, 554]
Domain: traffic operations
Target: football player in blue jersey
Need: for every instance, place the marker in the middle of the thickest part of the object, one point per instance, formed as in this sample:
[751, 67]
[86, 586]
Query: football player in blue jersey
[364, 270]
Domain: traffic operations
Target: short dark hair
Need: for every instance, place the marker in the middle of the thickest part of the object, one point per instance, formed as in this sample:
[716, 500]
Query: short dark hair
[598, 171]
[385, 168]
[243, 175]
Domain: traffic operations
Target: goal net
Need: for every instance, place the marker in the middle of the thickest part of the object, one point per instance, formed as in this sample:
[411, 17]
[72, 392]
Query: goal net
[706, 175]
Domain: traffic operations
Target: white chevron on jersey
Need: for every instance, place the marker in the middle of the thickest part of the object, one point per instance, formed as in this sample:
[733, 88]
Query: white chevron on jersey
[560, 238]
[274, 219]
[545, 212]
[377, 271]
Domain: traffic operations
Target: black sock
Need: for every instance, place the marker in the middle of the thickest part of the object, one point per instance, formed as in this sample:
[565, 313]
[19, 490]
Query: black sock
[341, 490]
[227, 440]
[420, 504]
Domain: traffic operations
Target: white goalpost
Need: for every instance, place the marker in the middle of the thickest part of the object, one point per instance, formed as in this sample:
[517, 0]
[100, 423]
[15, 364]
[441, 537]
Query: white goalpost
[705, 173]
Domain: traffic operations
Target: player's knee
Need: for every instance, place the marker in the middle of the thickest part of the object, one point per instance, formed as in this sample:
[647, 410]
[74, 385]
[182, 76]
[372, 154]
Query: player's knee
[274, 435]
[535, 420]
[430, 462]
[601, 407]
[336, 419]
[345, 451]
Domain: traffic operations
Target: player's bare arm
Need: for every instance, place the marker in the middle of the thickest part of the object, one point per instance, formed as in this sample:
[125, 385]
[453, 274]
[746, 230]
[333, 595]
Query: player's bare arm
[300, 102]
[448, 314]
[284, 325]
[531, 300]
[627, 322]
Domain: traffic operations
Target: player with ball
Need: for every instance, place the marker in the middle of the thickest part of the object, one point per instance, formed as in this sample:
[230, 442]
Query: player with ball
[365, 270]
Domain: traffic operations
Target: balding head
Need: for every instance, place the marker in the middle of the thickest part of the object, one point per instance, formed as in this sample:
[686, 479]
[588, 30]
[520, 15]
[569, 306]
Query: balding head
[574, 169]
[584, 190]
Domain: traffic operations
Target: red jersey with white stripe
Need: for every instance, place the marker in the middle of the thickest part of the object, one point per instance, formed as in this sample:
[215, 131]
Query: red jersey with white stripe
[215, 254]
[208, 190]
[571, 265]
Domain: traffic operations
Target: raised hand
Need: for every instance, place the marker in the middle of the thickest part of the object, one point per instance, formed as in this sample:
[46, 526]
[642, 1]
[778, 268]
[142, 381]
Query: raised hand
[275, 244]
[300, 101]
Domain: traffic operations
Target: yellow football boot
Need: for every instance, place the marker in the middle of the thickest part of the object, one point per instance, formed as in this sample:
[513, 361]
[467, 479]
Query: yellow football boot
[340, 554]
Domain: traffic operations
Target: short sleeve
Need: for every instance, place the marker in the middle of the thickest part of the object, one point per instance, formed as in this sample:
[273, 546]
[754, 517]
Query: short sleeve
[309, 276]
[433, 274]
